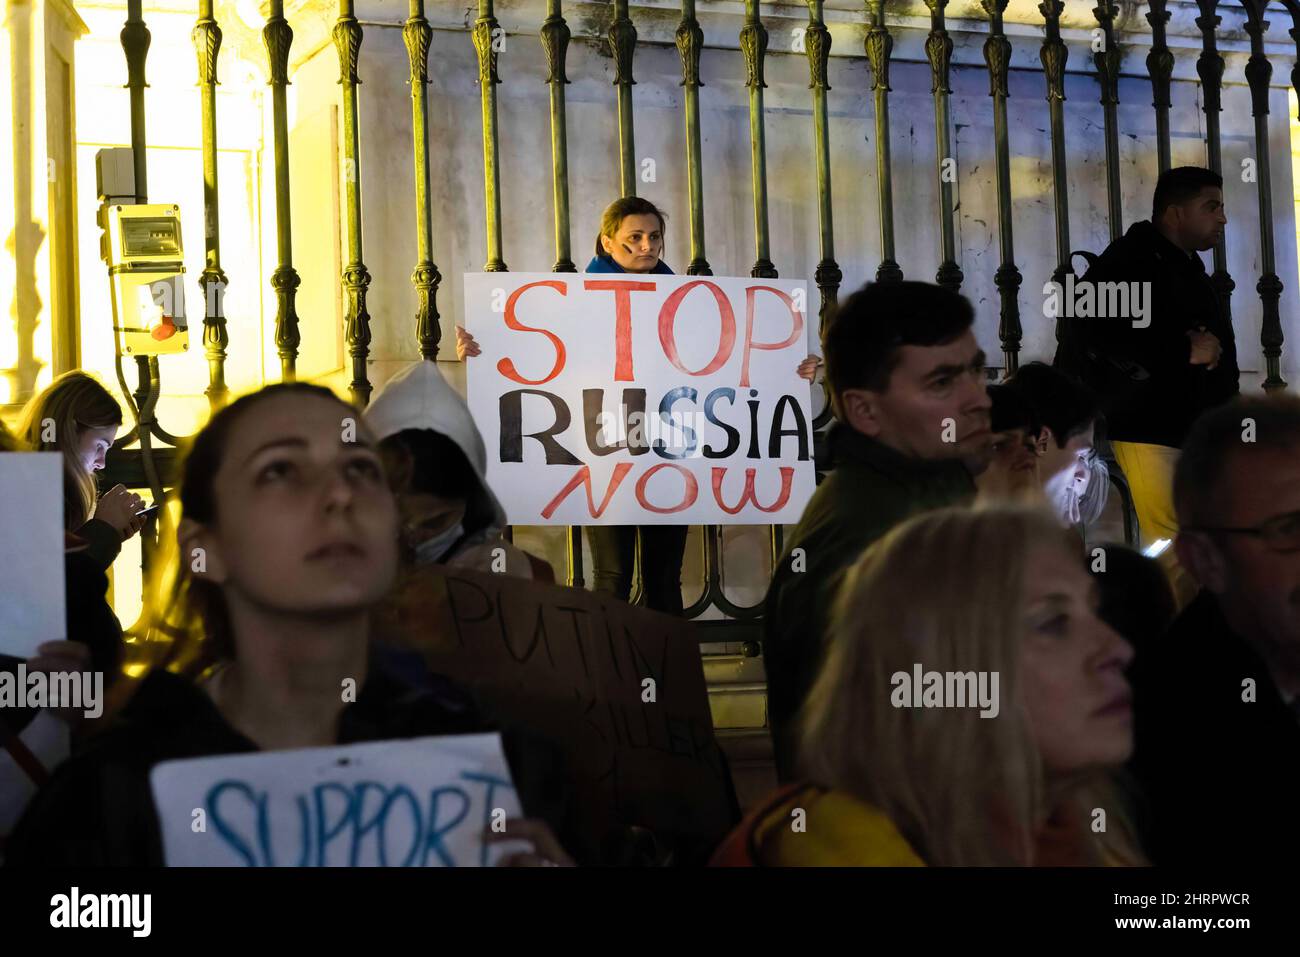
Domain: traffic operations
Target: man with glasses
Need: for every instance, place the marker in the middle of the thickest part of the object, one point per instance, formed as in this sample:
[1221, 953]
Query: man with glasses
[1217, 698]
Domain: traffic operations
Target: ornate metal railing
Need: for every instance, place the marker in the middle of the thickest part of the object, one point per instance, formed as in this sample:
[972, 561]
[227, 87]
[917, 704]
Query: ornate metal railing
[621, 39]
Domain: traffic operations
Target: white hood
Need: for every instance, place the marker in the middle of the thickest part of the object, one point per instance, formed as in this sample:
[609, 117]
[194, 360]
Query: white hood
[420, 398]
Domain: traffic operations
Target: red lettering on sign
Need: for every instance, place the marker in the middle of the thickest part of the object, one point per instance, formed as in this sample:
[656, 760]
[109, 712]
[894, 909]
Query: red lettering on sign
[750, 344]
[622, 290]
[726, 334]
[747, 496]
[689, 496]
[506, 366]
[583, 477]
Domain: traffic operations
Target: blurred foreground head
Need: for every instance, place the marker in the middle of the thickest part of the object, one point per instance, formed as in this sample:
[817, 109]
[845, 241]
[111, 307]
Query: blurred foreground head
[1237, 496]
[1002, 591]
[285, 515]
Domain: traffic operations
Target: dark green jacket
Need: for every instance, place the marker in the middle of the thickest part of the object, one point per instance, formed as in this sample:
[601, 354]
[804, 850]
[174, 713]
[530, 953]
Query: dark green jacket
[870, 489]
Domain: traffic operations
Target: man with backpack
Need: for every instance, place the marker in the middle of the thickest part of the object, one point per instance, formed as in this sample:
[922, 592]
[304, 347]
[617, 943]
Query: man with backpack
[1171, 354]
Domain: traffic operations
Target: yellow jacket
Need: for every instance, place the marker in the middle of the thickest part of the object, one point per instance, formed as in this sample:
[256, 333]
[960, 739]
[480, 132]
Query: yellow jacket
[806, 826]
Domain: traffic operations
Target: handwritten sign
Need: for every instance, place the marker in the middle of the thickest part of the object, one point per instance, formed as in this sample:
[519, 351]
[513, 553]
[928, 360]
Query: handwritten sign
[32, 604]
[422, 802]
[642, 399]
[619, 690]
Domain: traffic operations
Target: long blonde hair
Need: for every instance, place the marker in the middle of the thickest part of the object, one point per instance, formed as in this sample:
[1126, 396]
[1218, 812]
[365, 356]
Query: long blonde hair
[942, 590]
[74, 402]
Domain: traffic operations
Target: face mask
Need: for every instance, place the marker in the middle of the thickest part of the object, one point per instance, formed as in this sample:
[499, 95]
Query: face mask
[433, 549]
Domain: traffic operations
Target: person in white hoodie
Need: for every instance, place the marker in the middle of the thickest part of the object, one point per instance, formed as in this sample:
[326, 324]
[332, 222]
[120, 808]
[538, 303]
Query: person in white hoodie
[437, 463]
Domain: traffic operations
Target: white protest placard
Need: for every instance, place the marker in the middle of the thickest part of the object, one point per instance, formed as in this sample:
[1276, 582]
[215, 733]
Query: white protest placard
[32, 602]
[421, 802]
[642, 399]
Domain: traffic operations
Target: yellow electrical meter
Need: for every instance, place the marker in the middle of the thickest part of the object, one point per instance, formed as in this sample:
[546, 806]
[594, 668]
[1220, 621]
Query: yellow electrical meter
[142, 246]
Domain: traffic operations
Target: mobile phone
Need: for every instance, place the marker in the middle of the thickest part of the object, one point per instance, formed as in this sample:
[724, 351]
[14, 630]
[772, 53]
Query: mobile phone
[148, 512]
[1157, 547]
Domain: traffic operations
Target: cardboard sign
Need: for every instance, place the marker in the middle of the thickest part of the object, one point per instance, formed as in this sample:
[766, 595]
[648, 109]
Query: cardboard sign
[32, 602]
[635, 399]
[422, 802]
[619, 690]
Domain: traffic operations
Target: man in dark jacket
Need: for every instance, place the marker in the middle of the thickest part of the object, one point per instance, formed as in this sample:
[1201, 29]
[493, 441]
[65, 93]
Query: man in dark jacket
[907, 385]
[1167, 353]
[1217, 698]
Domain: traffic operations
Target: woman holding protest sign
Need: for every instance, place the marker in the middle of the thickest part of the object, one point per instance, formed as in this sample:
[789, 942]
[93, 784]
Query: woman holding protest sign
[631, 240]
[77, 417]
[288, 542]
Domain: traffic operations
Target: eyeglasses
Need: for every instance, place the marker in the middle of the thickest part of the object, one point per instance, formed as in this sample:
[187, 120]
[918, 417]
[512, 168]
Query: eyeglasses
[1280, 533]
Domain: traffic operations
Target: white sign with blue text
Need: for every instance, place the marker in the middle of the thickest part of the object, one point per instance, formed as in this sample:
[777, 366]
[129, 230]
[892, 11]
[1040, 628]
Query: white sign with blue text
[422, 802]
[33, 607]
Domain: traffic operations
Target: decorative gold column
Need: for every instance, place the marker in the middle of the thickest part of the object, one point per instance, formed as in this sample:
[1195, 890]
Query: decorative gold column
[622, 46]
[879, 44]
[485, 32]
[997, 55]
[356, 278]
[1258, 74]
[938, 50]
[278, 36]
[207, 43]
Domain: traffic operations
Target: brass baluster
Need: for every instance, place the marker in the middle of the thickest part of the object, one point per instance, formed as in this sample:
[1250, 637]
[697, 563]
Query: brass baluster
[1160, 64]
[356, 278]
[416, 34]
[879, 44]
[622, 45]
[997, 55]
[817, 41]
[753, 44]
[485, 33]
[1258, 73]
[938, 50]
[278, 36]
[690, 43]
[1053, 56]
[555, 41]
[1209, 66]
[206, 36]
[1107, 61]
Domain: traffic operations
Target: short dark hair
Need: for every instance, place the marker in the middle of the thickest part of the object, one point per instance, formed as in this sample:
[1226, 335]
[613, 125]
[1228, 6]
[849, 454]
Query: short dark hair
[1180, 184]
[1136, 599]
[1214, 441]
[866, 332]
[1064, 404]
[1011, 410]
[612, 218]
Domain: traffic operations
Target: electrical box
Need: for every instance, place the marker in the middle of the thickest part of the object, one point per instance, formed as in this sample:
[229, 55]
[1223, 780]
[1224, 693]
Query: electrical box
[142, 246]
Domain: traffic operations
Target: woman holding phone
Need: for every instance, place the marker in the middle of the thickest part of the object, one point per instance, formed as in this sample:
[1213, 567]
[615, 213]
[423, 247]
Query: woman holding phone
[631, 240]
[77, 417]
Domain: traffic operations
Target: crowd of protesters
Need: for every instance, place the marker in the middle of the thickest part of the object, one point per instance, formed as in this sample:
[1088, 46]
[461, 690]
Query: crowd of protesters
[1144, 710]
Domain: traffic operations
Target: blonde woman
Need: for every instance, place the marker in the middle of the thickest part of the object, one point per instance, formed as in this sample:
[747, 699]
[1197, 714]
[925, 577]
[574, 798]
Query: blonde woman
[897, 776]
[77, 417]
